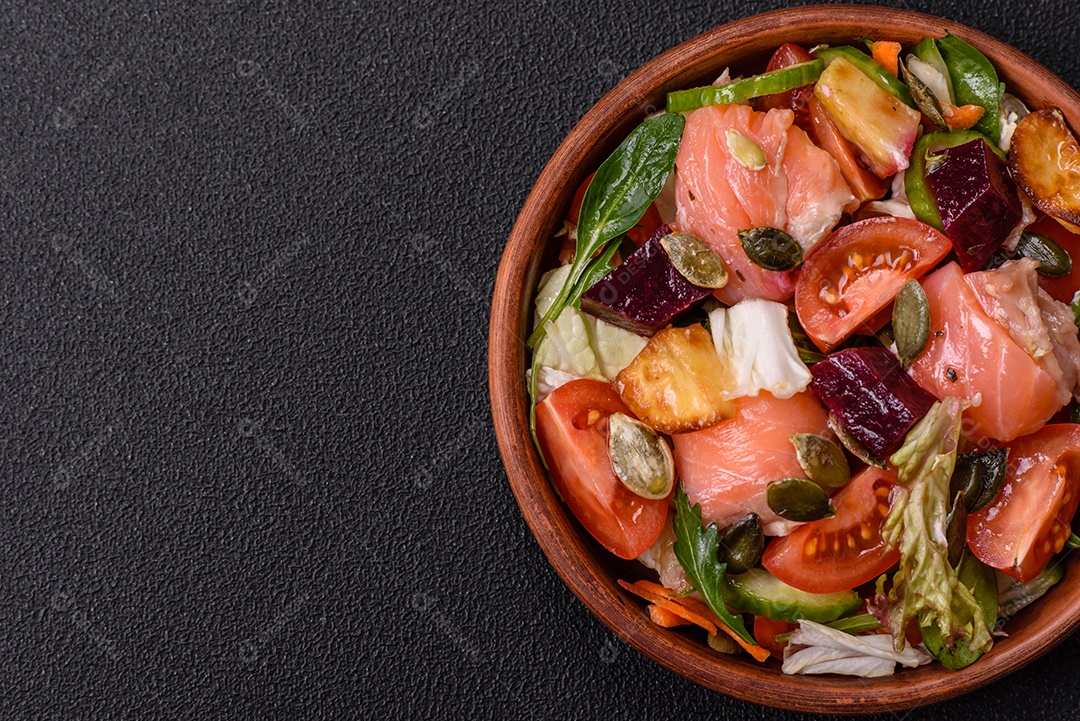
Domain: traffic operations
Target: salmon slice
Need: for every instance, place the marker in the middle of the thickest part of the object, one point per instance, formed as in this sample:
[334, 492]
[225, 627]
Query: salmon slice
[728, 467]
[970, 355]
[1042, 326]
[800, 190]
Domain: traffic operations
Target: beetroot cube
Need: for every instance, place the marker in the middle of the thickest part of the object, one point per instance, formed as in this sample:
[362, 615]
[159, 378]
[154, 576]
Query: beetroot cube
[875, 400]
[977, 199]
[645, 293]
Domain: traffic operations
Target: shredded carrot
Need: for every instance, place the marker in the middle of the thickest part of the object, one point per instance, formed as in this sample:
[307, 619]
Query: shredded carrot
[962, 117]
[665, 618]
[689, 609]
[887, 55]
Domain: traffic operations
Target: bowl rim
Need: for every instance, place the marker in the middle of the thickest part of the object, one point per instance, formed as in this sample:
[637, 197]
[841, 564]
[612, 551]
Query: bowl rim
[573, 557]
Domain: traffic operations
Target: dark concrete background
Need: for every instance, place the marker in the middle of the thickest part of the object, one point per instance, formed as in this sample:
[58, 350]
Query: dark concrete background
[247, 250]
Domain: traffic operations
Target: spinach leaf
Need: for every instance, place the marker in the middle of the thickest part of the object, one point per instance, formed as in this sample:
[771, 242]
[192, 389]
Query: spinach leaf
[696, 549]
[621, 191]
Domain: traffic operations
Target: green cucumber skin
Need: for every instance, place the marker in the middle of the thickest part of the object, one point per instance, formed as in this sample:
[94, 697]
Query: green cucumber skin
[762, 594]
[871, 68]
[777, 81]
[919, 197]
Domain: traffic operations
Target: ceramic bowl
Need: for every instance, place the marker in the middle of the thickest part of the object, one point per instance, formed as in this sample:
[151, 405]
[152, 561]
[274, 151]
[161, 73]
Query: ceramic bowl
[590, 572]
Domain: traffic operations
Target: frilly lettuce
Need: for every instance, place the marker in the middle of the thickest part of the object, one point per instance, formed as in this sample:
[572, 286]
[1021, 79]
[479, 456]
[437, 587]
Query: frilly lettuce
[753, 335]
[815, 648]
[926, 588]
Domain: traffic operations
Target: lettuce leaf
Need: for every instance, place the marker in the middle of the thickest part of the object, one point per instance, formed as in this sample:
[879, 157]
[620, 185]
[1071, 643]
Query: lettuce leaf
[926, 588]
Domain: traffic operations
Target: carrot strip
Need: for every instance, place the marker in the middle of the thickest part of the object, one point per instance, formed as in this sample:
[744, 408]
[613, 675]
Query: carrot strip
[665, 618]
[962, 117]
[689, 609]
[668, 605]
[887, 55]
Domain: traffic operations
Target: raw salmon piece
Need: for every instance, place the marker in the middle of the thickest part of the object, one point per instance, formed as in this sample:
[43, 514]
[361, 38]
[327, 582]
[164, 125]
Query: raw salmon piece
[971, 356]
[1042, 326]
[728, 467]
[800, 190]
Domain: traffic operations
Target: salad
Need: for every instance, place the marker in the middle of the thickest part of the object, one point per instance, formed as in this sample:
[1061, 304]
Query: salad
[811, 356]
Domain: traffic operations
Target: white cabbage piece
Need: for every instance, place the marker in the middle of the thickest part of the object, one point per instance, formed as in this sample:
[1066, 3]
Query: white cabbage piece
[551, 283]
[661, 558]
[548, 379]
[613, 346]
[815, 648]
[897, 205]
[753, 336]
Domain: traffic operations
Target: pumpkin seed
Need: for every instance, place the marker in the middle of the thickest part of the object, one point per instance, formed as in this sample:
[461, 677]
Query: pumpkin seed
[722, 643]
[910, 322]
[798, 499]
[1054, 261]
[639, 457]
[742, 544]
[770, 248]
[852, 444]
[695, 260]
[980, 477]
[823, 460]
[924, 97]
[956, 530]
[745, 151]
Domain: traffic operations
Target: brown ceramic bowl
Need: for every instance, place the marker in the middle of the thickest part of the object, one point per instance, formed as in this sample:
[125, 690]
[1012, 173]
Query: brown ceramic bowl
[591, 572]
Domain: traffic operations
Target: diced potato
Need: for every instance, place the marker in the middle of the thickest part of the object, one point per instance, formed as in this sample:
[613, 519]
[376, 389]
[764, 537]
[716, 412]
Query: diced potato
[1045, 161]
[676, 383]
[878, 123]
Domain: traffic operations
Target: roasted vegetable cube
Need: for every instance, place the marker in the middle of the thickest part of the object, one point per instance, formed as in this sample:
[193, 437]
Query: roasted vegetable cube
[676, 383]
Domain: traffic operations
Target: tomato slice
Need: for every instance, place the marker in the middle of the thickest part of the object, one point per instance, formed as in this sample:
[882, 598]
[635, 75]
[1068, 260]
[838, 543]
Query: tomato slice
[1030, 520]
[765, 632]
[571, 425]
[858, 270]
[844, 551]
[1065, 287]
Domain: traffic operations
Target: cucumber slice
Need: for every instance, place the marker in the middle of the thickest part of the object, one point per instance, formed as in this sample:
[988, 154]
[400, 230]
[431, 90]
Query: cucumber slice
[777, 81]
[873, 70]
[759, 592]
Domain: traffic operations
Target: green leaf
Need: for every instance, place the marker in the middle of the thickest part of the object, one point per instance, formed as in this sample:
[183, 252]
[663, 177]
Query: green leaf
[619, 194]
[1075, 305]
[975, 82]
[926, 587]
[696, 548]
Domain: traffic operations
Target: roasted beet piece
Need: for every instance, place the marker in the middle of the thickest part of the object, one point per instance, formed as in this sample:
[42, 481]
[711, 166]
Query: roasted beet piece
[977, 199]
[645, 293]
[871, 395]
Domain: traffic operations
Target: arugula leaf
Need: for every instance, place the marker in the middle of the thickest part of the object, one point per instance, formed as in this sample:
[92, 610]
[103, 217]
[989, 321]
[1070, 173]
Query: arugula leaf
[621, 191]
[926, 587]
[1075, 305]
[696, 548]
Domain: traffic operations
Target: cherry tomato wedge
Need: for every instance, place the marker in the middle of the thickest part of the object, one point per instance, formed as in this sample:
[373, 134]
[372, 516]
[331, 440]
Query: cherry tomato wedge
[858, 270]
[571, 425]
[765, 632]
[1029, 522]
[1065, 287]
[841, 552]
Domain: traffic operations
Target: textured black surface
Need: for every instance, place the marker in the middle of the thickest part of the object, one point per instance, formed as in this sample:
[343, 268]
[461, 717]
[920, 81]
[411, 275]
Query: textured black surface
[248, 470]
